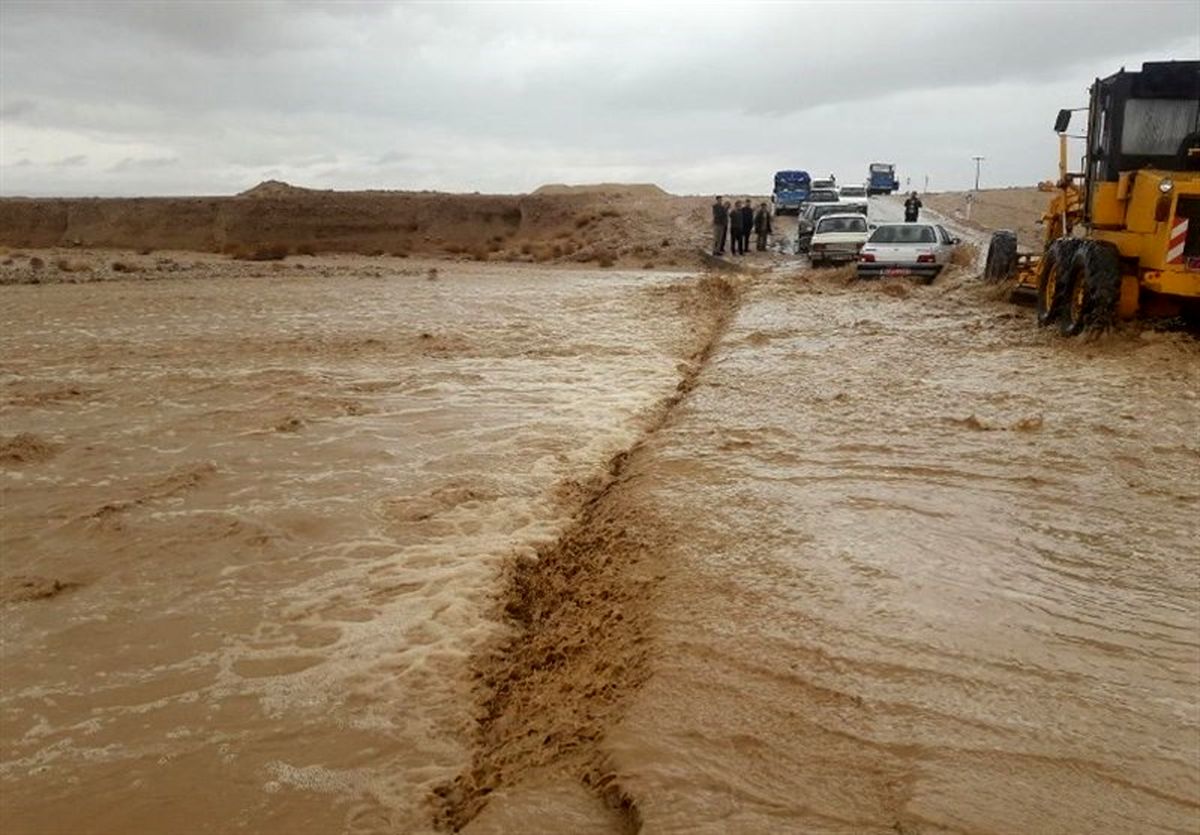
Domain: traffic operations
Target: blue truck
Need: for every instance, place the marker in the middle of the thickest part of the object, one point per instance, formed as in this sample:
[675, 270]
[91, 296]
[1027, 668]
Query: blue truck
[881, 178]
[791, 191]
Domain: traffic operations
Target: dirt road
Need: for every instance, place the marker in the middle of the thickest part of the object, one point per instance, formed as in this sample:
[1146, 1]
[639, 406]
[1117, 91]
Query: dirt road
[545, 550]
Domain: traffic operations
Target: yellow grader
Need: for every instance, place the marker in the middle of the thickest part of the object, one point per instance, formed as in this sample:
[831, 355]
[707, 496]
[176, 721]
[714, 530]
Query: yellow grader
[1121, 236]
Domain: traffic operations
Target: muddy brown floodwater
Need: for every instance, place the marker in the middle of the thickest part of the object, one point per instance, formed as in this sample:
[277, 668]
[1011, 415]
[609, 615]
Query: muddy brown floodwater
[521, 550]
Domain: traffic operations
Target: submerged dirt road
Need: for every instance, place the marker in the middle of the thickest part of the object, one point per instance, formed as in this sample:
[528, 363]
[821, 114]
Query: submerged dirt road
[544, 551]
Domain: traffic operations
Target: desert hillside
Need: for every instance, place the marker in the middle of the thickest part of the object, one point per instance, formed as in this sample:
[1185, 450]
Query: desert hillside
[1017, 208]
[609, 223]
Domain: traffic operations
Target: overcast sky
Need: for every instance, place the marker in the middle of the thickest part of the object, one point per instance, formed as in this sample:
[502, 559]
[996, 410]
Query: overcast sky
[126, 98]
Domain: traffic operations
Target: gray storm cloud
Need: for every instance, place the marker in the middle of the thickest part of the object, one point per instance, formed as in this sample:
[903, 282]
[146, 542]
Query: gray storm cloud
[181, 97]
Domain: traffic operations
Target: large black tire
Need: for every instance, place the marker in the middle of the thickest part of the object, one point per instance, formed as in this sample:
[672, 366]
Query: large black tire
[1052, 283]
[1092, 288]
[1001, 264]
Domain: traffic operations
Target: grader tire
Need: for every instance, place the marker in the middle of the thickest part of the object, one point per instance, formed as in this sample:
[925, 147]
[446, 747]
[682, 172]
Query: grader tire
[1092, 288]
[1052, 279]
[1001, 264]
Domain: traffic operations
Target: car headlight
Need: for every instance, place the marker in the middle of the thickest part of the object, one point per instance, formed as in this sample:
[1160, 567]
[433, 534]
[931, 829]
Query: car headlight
[1166, 185]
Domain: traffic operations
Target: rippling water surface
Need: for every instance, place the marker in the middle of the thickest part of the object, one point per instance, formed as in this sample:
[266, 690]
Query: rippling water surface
[903, 562]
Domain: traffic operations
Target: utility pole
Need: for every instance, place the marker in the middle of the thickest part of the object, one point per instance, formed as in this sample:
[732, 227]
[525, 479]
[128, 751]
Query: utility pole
[926, 184]
[977, 161]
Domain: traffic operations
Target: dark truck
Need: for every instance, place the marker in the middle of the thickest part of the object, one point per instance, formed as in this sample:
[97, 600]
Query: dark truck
[881, 178]
[791, 191]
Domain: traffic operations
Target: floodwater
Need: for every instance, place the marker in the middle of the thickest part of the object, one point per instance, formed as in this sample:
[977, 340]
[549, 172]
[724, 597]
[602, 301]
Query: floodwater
[794, 555]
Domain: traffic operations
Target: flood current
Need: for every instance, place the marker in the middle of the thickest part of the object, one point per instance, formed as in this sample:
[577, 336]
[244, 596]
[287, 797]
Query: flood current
[545, 551]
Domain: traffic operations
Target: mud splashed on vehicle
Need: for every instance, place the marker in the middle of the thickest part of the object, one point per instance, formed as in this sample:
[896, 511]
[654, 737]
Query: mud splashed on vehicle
[580, 615]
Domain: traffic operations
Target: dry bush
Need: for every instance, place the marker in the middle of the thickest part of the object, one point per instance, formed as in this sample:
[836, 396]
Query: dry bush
[413, 226]
[583, 221]
[145, 250]
[526, 248]
[376, 253]
[66, 265]
[557, 250]
[432, 274]
[665, 243]
[609, 213]
[497, 239]
[36, 263]
[123, 267]
[479, 254]
[649, 265]
[605, 259]
[494, 246]
[261, 252]
[306, 249]
[456, 249]
[400, 253]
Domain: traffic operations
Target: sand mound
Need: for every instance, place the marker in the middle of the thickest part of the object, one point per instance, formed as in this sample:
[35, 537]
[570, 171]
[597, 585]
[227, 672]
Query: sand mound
[275, 188]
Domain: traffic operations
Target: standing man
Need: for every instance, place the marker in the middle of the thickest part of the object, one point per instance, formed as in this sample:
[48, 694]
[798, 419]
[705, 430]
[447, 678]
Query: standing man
[762, 226]
[735, 228]
[747, 225]
[912, 208]
[720, 210]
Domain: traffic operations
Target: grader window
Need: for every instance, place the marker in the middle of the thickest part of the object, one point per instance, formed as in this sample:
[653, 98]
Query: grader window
[1157, 127]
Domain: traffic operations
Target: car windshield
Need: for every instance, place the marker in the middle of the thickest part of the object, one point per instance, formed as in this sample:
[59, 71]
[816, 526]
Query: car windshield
[854, 191]
[823, 196]
[905, 234]
[842, 224]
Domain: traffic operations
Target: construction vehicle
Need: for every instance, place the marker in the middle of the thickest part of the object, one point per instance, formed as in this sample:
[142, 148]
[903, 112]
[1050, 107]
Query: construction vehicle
[1121, 237]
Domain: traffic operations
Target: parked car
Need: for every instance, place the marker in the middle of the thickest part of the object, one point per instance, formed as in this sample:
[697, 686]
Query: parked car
[837, 238]
[823, 195]
[916, 249]
[813, 212]
[830, 183]
[846, 192]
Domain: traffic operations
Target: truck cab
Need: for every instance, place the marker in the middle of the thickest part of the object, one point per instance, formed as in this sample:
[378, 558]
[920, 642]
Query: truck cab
[881, 178]
[791, 191]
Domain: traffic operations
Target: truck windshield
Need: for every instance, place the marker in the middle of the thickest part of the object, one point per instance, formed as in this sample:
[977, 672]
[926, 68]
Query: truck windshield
[791, 181]
[880, 168]
[1157, 127]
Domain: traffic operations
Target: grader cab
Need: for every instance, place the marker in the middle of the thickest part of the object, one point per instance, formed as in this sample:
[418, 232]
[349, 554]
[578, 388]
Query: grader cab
[1122, 235]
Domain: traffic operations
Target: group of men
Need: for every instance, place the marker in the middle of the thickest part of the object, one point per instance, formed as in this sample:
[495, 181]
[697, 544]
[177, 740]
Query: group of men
[736, 222]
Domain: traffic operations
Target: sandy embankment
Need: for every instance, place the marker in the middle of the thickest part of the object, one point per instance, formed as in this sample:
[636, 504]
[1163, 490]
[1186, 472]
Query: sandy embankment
[1018, 209]
[606, 225]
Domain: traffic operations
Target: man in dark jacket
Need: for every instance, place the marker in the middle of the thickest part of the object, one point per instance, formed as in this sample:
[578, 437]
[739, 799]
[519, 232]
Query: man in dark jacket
[735, 228]
[720, 225]
[912, 208]
[747, 225]
[762, 226]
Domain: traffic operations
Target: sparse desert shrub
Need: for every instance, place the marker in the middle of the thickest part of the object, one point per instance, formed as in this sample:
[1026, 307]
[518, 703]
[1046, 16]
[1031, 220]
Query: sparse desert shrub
[526, 248]
[36, 263]
[376, 253]
[123, 267]
[261, 252]
[497, 239]
[400, 253]
[649, 265]
[494, 246]
[609, 213]
[66, 265]
[306, 249]
[479, 254]
[557, 251]
[583, 221]
[665, 243]
[413, 226]
[145, 250]
[605, 259]
[456, 249]
[432, 274]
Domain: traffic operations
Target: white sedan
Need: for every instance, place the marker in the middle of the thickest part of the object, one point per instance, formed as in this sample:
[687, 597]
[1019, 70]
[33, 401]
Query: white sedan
[837, 238]
[916, 249]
